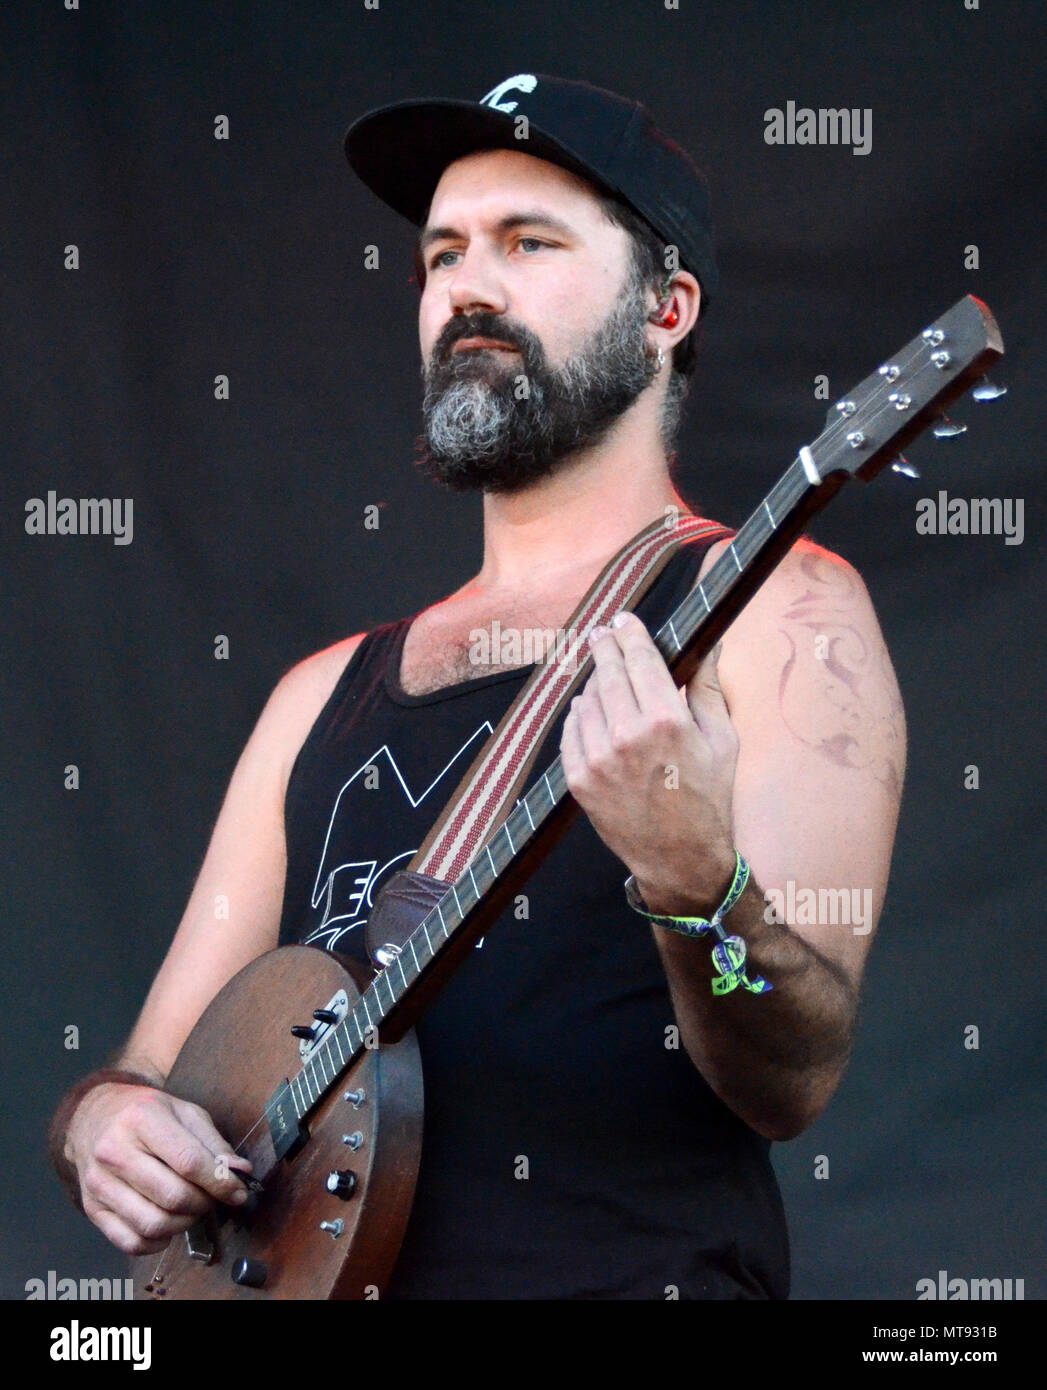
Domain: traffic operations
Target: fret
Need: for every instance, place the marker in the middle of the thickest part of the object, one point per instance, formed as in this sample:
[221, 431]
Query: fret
[383, 978]
[338, 1039]
[427, 937]
[457, 901]
[494, 869]
[527, 808]
[549, 789]
[352, 1018]
[414, 953]
[299, 1104]
[734, 553]
[376, 999]
[512, 847]
[400, 963]
[440, 914]
[367, 1011]
[770, 514]
[790, 487]
[472, 880]
[676, 639]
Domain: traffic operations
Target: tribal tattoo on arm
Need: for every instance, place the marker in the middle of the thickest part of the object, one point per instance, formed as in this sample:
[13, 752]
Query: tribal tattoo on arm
[850, 711]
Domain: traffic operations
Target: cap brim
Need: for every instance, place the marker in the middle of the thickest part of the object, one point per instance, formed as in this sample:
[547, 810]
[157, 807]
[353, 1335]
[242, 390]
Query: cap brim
[400, 151]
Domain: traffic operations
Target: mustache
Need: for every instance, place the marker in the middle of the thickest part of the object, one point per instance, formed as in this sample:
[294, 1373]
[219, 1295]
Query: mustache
[482, 326]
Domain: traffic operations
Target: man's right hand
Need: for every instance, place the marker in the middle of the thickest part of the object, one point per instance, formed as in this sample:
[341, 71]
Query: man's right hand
[149, 1165]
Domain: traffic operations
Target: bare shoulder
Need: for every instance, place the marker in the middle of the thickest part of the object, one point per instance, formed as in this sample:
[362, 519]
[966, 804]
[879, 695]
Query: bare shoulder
[315, 677]
[809, 582]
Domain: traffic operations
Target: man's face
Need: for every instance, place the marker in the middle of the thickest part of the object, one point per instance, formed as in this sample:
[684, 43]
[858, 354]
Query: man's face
[531, 322]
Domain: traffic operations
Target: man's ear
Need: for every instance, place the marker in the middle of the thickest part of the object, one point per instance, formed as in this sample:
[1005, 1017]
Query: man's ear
[687, 294]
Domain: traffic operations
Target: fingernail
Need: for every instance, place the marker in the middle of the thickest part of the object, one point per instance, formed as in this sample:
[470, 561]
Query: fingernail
[597, 633]
[619, 619]
[240, 1196]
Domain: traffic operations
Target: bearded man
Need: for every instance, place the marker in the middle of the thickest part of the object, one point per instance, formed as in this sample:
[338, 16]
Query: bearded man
[598, 1119]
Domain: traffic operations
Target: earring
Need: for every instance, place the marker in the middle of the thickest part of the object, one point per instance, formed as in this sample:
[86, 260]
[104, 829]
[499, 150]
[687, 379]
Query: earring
[660, 360]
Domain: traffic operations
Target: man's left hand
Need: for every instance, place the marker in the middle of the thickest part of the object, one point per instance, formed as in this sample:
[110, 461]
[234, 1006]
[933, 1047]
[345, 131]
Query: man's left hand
[653, 768]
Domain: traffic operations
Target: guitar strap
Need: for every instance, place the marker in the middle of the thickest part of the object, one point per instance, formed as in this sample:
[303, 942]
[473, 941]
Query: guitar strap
[496, 777]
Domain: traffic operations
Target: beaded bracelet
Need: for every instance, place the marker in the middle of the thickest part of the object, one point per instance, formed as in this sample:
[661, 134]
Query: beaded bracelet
[728, 955]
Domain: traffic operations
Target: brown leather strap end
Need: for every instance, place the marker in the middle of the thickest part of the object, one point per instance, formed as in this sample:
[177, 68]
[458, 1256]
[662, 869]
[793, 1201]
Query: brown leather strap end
[404, 900]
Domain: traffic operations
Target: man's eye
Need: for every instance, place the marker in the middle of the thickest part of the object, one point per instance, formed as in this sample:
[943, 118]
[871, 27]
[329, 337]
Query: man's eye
[529, 243]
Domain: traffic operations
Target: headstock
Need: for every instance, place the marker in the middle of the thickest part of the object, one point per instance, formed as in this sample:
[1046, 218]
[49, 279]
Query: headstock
[869, 426]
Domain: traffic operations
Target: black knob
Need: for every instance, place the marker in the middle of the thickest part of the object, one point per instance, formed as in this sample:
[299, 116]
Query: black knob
[325, 1015]
[253, 1273]
[302, 1030]
[342, 1183]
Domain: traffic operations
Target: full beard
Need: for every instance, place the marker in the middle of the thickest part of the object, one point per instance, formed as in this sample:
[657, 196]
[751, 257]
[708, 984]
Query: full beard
[494, 423]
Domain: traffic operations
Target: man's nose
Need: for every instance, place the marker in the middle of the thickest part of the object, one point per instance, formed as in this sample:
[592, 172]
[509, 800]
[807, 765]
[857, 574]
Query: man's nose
[474, 287]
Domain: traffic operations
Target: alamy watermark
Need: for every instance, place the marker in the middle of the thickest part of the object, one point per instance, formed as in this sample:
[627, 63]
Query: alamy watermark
[83, 516]
[81, 1342]
[826, 125]
[514, 646]
[974, 1289]
[55, 1287]
[971, 516]
[825, 907]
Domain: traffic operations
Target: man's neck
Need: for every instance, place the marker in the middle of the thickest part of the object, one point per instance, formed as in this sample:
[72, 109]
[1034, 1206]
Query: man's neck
[567, 526]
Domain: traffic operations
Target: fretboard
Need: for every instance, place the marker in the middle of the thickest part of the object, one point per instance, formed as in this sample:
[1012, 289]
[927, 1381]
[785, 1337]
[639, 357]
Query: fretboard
[709, 607]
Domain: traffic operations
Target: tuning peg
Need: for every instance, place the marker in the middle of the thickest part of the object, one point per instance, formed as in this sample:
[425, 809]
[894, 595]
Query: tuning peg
[948, 429]
[904, 466]
[987, 391]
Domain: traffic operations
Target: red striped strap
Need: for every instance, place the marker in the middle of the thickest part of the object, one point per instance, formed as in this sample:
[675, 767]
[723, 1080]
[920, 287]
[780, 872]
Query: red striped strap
[491, 786]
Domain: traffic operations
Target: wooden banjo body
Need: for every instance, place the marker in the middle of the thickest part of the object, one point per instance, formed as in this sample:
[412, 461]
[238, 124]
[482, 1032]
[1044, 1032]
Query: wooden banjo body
[232, 1063]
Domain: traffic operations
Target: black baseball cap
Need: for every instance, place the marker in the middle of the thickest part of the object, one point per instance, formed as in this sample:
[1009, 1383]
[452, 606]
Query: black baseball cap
[400, 151]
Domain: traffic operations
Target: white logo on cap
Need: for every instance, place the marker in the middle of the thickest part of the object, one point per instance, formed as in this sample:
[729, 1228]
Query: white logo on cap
[522, 82]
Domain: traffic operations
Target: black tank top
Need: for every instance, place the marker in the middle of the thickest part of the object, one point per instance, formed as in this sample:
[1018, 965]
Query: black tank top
[568, 1152]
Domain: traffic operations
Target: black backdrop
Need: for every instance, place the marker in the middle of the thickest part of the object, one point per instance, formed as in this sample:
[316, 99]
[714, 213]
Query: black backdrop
[245, 257]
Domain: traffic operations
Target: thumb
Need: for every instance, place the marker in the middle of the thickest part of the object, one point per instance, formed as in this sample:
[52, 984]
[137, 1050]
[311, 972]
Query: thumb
[705, 698]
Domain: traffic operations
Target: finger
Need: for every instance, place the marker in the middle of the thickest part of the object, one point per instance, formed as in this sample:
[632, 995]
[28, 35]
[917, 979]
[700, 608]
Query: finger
[154, 1182]
[199, 1122]
[650, 679]
[149, 1220]
[120, 1234]
[572, 746]
[705, 698]
[593, 731]
[610, 681]
[163, 1133]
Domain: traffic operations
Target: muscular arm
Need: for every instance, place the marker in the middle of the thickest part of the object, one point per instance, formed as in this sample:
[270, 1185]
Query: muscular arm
[243, 869]
[142, 1165]
[812, 695]
[242, 873]
[799, 764]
